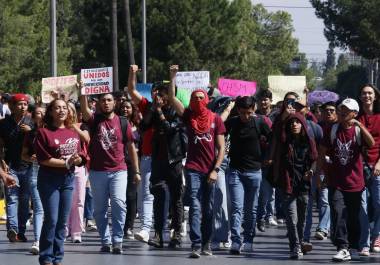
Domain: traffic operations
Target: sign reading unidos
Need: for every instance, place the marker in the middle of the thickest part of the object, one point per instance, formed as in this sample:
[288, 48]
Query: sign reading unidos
[97, 81]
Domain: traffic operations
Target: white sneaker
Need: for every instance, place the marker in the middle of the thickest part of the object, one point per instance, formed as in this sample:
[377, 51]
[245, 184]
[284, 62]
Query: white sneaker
[354, 253]
[76, 239]
[142, 236]
[248, 247]
[184, 228]
[235, 248]
[376, 245]
[35, 248]
[280, 221]
[272, 222]
[342, 255]
[227, 245]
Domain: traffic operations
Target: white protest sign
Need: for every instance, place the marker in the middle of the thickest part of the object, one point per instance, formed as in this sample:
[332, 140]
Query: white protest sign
[279, 85]
[193, 80]
[97, 81]
[62, 87]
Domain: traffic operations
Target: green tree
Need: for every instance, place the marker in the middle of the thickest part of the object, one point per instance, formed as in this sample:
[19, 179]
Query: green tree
[330, 58]
[353, 24]
[24, 43]
[350, 81]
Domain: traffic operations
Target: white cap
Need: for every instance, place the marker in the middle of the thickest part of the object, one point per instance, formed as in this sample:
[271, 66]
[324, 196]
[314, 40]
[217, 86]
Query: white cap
[351, 104]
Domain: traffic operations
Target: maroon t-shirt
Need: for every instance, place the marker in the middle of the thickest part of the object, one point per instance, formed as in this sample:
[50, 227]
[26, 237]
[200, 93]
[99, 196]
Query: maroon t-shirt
[106, 147]
[56, 143]
[346, 169]
[201, 148]
[372, 123]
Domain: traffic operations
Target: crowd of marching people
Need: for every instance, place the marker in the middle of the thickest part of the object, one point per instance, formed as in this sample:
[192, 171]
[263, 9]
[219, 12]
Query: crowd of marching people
[237, 164]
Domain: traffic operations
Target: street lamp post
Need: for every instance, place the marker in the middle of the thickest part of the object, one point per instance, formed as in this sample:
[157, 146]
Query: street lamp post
[143, 8]
[53, 38]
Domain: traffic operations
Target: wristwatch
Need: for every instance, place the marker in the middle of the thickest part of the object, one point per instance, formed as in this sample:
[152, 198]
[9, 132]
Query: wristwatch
[217, 169]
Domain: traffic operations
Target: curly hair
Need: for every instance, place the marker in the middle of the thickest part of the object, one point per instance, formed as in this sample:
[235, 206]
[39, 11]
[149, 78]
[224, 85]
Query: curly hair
[48, 119]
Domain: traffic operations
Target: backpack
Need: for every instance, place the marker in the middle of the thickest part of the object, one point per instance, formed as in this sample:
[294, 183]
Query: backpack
[334, 129]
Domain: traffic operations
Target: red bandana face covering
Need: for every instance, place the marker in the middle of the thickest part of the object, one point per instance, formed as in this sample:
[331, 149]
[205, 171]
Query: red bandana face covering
[201, 117]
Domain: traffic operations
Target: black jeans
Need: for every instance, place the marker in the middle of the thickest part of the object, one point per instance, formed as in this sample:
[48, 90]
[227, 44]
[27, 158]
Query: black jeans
[345, 208]
[131, 201]
[295, 207]
[164, 178]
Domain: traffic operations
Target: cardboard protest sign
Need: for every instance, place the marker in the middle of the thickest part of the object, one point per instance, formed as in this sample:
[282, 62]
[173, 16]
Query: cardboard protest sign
[193, 80]
[234, 88]
[97, 81]
[63, 87]
[280, 85]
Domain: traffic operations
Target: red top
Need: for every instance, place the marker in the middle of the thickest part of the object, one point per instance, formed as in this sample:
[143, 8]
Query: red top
[58, 143]
[372, 123]
[107, 148]
[146, 145]
[201, 148]
[346, 169]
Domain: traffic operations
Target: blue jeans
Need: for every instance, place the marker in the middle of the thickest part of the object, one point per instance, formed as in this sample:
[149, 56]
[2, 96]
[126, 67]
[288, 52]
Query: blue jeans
[201, 195]
[109, 185]
[38, 211]
[89, 205]
[144, 197]
[265, 209]
[17, 199]
[374, 188]
[56, 192]
[244, 188]
[221, 229]
[324, 211]
[364, 222]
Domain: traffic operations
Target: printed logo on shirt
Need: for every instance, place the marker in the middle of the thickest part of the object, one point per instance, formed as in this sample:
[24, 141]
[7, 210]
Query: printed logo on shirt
[344, 152]
[56, 141]
[206, 136]
[108, 138]
[69, 147]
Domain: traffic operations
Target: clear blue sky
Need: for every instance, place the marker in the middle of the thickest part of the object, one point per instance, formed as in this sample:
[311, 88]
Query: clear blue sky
[308, 28]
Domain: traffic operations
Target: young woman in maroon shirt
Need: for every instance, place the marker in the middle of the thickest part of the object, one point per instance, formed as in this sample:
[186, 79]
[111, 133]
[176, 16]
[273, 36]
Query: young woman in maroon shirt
[58, 151]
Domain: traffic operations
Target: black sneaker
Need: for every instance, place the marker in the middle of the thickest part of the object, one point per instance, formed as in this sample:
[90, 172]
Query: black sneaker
[106, 249]
[21, 238]
[206, 250]
[261, 226]
[175, 242]
[157, 241]
[12, 235]
[117, 248]
[195, 253]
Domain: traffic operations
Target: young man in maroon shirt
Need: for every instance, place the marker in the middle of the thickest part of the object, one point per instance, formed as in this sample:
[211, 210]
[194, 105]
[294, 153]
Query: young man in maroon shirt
[345, 177]
[205, 132]
[108, 170]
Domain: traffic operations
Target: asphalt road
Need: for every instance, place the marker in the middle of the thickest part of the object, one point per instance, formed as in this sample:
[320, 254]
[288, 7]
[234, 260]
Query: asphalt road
[270, 248]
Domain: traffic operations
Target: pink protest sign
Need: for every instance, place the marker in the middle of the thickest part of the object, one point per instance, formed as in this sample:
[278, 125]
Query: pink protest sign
[234, 88]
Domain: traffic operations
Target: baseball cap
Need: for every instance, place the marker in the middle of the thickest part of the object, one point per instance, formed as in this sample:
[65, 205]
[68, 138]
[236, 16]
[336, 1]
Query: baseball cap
[19, 97]
[351, 104]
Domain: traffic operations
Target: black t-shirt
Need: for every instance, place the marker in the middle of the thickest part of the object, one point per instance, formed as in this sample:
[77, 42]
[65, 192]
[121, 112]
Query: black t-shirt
[297, 167]
[13, 139]
[245, 151]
